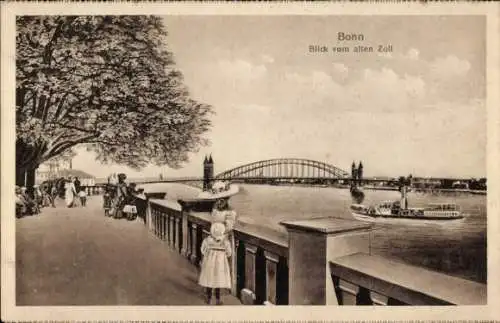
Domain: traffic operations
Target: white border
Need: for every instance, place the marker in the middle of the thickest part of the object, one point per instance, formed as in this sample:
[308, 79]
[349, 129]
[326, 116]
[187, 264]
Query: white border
[291, 313]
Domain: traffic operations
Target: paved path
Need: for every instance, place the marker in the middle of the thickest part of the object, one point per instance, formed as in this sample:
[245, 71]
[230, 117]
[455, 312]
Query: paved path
[79, 257]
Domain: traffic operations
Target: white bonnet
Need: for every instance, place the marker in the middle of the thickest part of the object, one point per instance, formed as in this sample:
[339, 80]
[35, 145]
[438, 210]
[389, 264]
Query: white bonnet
[217, 230]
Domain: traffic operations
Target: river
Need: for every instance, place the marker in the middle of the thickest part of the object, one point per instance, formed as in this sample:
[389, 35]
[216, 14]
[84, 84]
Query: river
[455, 248]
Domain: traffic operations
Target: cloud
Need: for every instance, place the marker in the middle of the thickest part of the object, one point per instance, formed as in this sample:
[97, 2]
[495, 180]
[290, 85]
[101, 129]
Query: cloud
[267, 59]
[449, 66]
[387, 55]
[241, 70]
[341, 69]
[413, 54]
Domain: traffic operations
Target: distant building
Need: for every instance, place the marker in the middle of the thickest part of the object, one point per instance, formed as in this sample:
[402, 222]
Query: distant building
[419, 182]
[64, 168]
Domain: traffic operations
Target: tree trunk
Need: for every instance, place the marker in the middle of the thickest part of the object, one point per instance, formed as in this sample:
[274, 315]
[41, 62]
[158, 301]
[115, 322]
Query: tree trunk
[20, 177]
[30, 181]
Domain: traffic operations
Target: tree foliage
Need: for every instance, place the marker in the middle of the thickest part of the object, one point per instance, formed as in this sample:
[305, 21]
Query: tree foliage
[105, 81]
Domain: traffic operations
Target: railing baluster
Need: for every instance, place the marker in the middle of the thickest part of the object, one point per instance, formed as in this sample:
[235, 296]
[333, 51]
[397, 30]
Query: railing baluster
[155, 222]
[194, 244]
[185, 250]
[248, 296]
[239, 267]
[282, 282]
[166, 227]
[189, 238]
[171, 230]
[349, 292]
[163, 226]
[378, 299]
[178, 234]
[271, 277]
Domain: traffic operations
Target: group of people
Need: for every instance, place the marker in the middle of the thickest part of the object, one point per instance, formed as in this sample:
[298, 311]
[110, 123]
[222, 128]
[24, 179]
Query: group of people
[218, 251]
[45, 195]
[30, 205]
[119, 199]
[73, 192]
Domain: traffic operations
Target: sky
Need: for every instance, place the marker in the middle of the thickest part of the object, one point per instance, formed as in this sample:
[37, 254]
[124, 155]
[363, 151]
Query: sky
[419, 109]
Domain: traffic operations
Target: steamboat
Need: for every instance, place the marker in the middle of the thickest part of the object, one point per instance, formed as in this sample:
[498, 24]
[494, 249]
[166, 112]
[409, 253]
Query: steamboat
[400, 210]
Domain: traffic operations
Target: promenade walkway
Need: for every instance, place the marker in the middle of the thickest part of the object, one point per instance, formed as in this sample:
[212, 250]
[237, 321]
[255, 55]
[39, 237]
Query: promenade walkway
[79, 257]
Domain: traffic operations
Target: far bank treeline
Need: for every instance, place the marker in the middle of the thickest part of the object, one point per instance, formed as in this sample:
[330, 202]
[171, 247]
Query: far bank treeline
[105, 81]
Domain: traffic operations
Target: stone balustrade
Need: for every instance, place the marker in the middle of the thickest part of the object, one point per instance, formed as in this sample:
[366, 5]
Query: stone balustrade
[363, 279]
[321, 261]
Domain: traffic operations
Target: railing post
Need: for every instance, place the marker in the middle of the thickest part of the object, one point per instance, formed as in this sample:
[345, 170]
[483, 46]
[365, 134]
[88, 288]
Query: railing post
[171, 230]
[314, 242]
[155, 222]
[271, 277]
[248, 296]
[194, 242]
[164, 227]
[149, 216]
[178, 234]
[186, 252]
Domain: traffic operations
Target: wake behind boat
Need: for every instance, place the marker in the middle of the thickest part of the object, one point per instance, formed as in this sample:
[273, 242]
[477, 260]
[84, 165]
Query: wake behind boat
[391, 210]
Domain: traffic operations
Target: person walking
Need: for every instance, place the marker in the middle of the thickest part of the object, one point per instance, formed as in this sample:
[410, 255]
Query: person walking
[77, 184]
[83, 197]
[70, 193]
[215, 273]
[53, 194]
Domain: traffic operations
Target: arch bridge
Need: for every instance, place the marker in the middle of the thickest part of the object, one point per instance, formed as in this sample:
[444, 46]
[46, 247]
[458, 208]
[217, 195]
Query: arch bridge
[284, 168]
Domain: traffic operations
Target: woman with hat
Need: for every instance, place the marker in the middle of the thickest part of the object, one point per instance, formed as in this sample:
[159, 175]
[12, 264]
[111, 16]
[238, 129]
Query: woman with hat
[121, 196]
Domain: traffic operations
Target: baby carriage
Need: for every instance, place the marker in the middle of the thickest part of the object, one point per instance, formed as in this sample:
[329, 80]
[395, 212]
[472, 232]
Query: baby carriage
[130, 208]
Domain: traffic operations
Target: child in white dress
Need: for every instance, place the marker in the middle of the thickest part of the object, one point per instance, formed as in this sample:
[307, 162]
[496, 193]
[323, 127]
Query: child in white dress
[215, 271]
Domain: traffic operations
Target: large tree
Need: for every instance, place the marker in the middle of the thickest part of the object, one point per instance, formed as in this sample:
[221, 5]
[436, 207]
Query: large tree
[105, 81]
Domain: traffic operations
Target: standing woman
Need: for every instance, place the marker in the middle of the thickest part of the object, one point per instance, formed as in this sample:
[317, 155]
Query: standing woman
[70, 192]
[121, 195]
[222, 213]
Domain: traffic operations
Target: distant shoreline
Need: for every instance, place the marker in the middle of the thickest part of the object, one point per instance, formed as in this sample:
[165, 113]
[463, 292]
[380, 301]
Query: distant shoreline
[373, 188]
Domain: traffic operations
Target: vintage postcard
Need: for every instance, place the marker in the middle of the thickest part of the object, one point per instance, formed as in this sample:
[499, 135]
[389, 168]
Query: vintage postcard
[250, 162]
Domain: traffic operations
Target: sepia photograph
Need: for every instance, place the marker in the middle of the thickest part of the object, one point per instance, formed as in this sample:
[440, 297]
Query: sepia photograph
[249, 160]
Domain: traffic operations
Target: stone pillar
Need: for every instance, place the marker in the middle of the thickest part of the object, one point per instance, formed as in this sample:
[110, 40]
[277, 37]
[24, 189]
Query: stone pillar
[312, 244]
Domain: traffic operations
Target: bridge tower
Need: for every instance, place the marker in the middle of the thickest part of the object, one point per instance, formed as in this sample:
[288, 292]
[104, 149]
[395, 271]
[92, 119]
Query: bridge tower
[354, 172]
[208, 172]
[360, 172]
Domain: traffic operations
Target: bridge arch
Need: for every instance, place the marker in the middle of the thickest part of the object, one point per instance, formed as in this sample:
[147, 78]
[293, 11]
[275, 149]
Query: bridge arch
[284, 168]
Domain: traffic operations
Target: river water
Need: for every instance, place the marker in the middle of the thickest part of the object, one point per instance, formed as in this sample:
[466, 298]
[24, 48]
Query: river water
[455, 248]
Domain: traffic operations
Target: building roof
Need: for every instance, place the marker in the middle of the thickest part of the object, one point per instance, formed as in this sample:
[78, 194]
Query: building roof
[73, 172]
